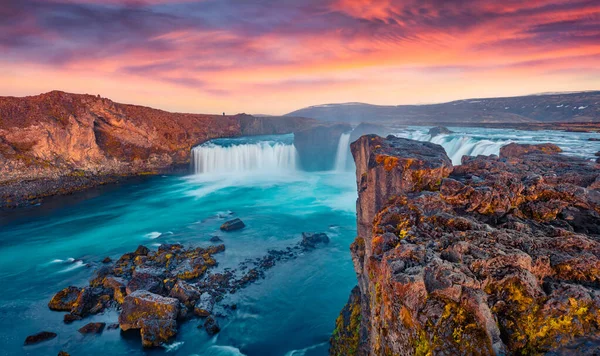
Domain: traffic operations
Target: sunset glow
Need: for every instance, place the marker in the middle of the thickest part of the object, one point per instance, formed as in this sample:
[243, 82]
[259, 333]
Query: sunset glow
[272, 57]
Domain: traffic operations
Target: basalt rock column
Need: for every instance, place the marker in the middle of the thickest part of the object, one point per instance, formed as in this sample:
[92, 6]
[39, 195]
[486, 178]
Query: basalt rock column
[499, 255]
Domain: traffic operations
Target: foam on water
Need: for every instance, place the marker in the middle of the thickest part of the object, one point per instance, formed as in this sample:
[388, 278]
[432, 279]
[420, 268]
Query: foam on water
[153, 235]
[75, 265]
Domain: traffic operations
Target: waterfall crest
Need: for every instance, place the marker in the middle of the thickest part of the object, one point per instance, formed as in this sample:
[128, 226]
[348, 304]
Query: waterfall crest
[260, 156]
[457, 146]
[343, 151]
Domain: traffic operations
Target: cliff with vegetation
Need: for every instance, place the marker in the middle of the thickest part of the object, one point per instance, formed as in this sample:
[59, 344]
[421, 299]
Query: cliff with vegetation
[57, 142]
[500, 255]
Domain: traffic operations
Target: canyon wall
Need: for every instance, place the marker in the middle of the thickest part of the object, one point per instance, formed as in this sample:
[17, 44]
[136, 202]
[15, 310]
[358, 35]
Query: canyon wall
[500, 255]
[67, 136]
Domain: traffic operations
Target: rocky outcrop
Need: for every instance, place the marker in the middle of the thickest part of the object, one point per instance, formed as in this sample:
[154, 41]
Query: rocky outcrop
[79, 139]
[515, 150]
[153, 291]
[439, 130]
[500, 255]
[153, 315]
[317, 146]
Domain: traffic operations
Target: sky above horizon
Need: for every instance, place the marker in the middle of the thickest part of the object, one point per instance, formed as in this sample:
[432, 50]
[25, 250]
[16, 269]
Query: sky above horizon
[276, 56]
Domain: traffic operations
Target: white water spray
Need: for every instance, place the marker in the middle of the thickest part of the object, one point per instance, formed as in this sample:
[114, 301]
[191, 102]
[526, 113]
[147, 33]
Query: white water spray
[343, 151]
[457, 145]
[261, 156]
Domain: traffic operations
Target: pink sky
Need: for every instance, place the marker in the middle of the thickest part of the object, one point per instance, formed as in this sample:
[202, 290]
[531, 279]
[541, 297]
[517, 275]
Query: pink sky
[273, 57]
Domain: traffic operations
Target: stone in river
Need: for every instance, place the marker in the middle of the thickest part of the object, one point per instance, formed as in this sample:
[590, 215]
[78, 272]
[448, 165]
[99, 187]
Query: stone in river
[39, 337]
[232, 225]
[92, 328]
[310, 240]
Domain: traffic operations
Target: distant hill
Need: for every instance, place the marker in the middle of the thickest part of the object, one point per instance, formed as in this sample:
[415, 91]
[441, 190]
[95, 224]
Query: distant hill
[539, 108]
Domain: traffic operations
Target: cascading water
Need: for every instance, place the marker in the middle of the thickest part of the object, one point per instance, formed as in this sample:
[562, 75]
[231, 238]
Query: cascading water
[343, 151]
[262, 156]
[474, 141]
[458, 145]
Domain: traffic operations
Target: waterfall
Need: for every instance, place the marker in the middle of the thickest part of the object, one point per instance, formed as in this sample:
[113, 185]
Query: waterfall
[457, 145]
[343, 150]
[259, 156]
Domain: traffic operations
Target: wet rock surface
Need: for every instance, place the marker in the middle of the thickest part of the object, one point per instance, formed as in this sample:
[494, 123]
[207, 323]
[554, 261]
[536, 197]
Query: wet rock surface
[155, 290]
[233, 225]
[439, 130]
[500, 255]
[39, 337]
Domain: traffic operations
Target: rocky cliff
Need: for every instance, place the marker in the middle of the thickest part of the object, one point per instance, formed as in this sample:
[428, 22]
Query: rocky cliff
[317, 145]
[78, 138]
[500, 255]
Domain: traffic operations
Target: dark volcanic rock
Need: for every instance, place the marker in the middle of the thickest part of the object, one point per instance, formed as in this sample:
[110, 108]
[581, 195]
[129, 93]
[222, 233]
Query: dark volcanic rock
[317, 146]
[215, 239]
[211, 325]
[232, 225]
[154, 315]
[439, 130]
[205, 305]
[496, 256]
[310, 240]
[63, 353]
[39, 337]
[69, 318]
[92, 328]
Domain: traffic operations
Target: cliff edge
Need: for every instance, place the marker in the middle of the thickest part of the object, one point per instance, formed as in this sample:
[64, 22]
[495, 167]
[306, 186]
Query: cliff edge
[500, 255]
[57, 142]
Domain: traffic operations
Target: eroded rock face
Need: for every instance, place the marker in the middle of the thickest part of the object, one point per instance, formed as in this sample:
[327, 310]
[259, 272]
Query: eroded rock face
[496, 256]
[75, 139]
[317, 145]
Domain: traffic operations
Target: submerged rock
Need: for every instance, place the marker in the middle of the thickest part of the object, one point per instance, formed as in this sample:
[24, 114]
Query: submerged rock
[310, 240]
[211, 325]
[232, 225]
[439, 130]
[499, 255]
[92, 328]
[39, 337]
[215, 239]
[154, 315]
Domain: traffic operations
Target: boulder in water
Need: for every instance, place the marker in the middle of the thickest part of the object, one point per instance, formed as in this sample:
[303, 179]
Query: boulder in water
[310, 240]
[439, 130]
[39, 337]
[215, 239]
[154, 315]
[233, 225]
[205, 305]
[92, 328]
[211, 325]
